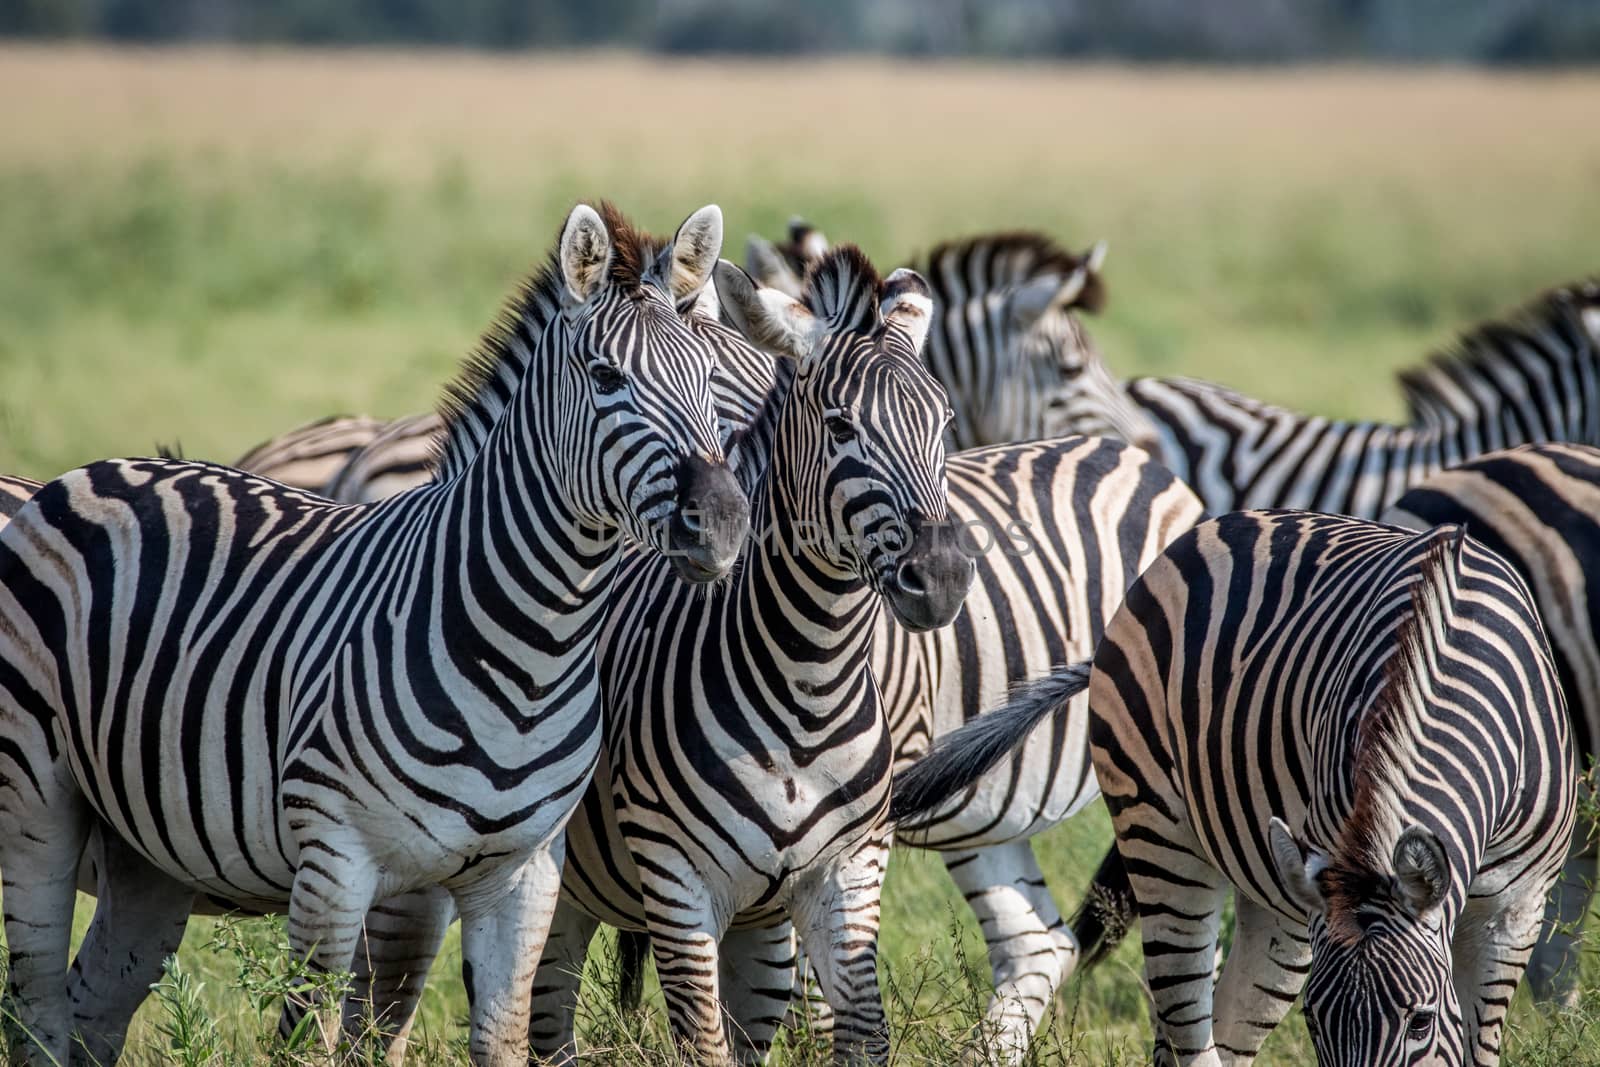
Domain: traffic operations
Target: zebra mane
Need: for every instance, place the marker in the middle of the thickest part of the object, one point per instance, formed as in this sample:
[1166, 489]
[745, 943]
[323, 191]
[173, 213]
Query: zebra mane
[1359, 871]
[843, 288]
[996, 260]
[1430, 389]
[491, 373]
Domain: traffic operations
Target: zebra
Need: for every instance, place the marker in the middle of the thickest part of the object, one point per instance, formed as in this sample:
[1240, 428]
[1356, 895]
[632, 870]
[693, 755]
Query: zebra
[1357, 727]
[15, 491]
[748, 760]
[1534, 376]
[1537, 506]
[265, 699]
[1059, 529]
[308, 456]
[1007, 346]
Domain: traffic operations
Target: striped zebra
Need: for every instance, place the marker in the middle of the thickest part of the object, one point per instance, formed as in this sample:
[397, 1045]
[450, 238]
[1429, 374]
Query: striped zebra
[267, 700]
[1538, 506]
[15, 492]
[1532, 377]
[747, 759]
[1007, 344]
[307, 457]
[1357, 728]
[1059, 530]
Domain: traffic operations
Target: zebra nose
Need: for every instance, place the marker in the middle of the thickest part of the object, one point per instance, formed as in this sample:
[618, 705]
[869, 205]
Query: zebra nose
[905, 576]
[931, 579]
[710, 522]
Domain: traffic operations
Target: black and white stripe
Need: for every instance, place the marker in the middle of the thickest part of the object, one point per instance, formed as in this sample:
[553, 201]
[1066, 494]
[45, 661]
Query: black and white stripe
[1358, 729]
[1007, 342]
[1538, 506]
[268, 700]
[308, 457]
[1532, 377]
[747, 762]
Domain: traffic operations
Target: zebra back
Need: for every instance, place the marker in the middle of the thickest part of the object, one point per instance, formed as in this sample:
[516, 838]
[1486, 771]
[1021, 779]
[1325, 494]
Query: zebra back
[308, 456]
[1538, 506]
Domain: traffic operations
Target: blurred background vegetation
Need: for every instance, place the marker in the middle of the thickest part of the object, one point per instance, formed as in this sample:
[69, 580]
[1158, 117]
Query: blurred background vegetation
[1489, 31]
[207, 244]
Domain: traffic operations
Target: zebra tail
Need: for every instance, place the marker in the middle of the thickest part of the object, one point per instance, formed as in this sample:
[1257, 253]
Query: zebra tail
[959, 758]
[632, 948]
[1107, 912]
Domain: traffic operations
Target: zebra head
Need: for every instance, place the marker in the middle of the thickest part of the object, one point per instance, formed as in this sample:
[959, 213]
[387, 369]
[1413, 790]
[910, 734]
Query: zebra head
[1048, 377]
[645, 451]
[1380, 991]
[861, 431]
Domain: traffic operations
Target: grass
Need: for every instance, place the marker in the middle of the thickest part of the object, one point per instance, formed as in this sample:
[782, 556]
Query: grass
[206, 247]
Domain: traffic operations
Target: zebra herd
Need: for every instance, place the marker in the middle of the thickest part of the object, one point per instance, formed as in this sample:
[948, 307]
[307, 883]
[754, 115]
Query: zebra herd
[679, 612]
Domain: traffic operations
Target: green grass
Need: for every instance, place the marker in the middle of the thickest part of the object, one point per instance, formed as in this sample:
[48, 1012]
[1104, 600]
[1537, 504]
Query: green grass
[206, 249]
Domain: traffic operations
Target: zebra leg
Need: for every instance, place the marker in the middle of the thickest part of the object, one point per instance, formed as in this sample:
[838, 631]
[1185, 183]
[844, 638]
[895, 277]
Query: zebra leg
[552, 1028]
[398, 945]
[503, 931]
[756, 970]
[1553, 969]
[139, 918]
[1031, 950]
[1180, 915]
[1263, 974]
[836, 912]
[684, 935]
[327, 906]
[808, 1009]
[1494, 938]
[43, 829]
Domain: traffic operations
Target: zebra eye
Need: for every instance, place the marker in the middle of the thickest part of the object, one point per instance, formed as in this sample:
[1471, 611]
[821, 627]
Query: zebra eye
[839, 428]
[1420, 1026]
[606, 378]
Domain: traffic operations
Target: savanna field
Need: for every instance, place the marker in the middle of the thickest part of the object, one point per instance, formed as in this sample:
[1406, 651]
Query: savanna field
[204, 248]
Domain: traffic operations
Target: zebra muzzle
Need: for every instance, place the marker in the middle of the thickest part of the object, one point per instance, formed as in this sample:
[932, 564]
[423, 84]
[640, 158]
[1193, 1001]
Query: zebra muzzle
[930, 579]
[711, 521]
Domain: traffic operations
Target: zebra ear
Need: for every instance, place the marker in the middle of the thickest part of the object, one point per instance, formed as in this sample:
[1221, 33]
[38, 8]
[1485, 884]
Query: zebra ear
[1421, 870]
[767, 266]
[771, 320]
[1297, 867]
[908, 303]
[585, 254]
[1095, 258]
[1028, 302]
[694, 253]
[807, 240]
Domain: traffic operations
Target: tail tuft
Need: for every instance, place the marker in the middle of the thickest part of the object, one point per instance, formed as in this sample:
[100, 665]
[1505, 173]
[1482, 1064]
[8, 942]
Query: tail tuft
[633, 946]
[1107, 913]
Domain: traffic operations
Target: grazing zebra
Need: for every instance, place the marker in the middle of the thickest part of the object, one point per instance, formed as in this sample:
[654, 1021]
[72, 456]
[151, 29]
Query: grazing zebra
[307, 457]
[747, 759]
[266, 699]
[1357, 728]
[1538, 506]
[1016, 361]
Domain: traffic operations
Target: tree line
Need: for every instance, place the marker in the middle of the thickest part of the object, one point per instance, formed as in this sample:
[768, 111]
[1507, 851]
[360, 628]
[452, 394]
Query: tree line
[1475, 31]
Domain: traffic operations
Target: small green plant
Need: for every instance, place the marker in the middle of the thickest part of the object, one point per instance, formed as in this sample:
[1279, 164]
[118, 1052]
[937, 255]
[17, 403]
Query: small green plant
[188, 1029]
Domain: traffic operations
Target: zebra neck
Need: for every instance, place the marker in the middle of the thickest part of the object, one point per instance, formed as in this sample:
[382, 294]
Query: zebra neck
[519, 571]
[815, 620]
